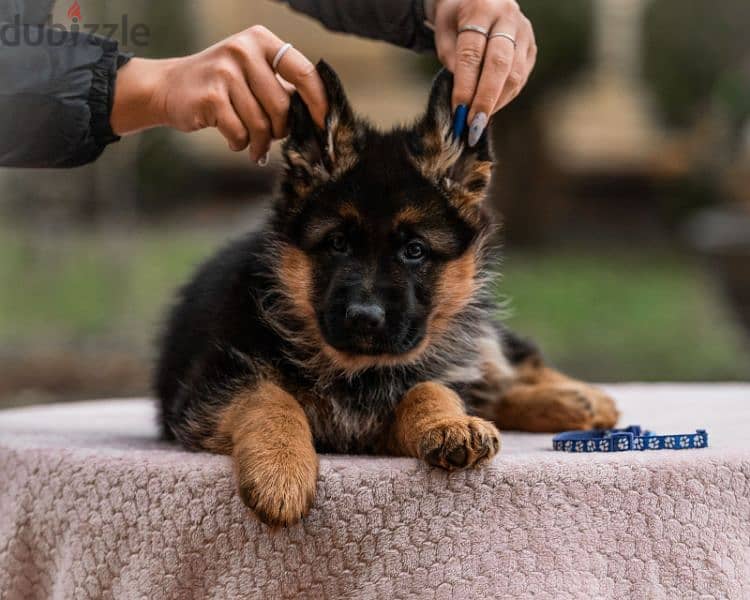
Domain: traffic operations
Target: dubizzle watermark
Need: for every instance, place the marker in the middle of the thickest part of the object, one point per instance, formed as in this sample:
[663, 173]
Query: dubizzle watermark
[56, 34]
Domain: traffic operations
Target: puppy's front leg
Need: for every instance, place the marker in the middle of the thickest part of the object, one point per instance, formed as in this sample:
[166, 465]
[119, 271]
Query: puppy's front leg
[274, 457]
[431, 424]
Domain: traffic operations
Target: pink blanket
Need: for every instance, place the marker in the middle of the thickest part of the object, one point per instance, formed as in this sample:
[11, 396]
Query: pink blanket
[92, 506]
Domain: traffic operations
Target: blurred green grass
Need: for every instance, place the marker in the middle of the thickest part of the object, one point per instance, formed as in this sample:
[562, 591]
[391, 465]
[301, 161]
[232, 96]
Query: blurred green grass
[609, 315]
[649, 314]
[93, 284]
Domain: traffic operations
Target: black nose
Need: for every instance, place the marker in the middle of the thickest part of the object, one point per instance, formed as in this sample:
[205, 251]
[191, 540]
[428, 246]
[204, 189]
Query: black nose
[365, 317]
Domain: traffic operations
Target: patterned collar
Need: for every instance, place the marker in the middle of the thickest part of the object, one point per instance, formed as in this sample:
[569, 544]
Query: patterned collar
[630, 438]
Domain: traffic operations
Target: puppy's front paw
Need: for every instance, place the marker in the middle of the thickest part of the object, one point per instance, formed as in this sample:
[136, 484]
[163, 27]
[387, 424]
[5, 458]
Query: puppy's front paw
[460, 442]
[280, 492]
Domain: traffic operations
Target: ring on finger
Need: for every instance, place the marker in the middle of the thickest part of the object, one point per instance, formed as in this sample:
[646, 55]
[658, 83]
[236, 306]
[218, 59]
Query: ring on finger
[475, 28]
[279, 55]
[506, 36]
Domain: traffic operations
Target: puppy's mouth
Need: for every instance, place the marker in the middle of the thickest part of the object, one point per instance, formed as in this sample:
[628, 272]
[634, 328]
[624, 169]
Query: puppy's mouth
[361, 345]
[373, 345]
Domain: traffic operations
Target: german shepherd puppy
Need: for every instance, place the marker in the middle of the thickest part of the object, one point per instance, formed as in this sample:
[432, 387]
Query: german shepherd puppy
[359, 319]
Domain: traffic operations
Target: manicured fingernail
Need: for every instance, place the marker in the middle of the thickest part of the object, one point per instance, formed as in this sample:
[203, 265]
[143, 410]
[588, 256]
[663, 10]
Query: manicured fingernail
[459, 120]
[263, 160]
[477, 127]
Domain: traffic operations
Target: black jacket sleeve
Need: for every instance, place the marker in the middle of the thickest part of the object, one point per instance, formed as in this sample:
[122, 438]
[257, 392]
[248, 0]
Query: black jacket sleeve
[57, 87]
[400, 22]
[56, 93]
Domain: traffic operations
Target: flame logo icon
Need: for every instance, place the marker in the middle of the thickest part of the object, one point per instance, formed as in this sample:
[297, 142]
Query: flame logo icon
[74, 12]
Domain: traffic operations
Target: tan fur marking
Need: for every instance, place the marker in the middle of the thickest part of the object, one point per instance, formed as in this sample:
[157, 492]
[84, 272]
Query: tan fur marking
[483, 170]
[274, 457]
[295, 273]
[409, 215]
[431, 424]
[349, 211]
[301, 190]
[545, 400]
[441, 152]
[353, 363]
[316, 172]
[341, 151]
[468, 190]
[298, 160]
[439, 240]
[455, 290]
[316, 231]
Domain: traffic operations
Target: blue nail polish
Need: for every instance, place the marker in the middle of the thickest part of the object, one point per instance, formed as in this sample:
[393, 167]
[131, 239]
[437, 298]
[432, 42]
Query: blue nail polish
[459, 120]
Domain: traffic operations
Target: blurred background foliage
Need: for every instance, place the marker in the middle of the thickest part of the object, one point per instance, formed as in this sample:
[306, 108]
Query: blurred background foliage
[623, 182]
[697, 55]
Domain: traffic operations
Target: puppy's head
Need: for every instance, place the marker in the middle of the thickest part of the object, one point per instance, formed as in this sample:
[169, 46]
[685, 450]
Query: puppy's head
[381, 232]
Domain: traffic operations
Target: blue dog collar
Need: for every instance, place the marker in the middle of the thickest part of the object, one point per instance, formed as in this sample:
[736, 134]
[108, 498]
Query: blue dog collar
[630, 438]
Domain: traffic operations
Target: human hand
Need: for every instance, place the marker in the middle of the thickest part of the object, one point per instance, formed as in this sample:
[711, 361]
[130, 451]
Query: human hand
[489, 70]
[231, 86]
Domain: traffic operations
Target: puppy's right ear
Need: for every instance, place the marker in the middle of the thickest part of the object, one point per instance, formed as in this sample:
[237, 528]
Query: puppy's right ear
[315, 156]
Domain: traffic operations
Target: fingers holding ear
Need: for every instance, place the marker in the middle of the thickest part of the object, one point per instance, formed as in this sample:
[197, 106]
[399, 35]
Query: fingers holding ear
[489, 70]
[250, 50]
[470, 47]
[296, 69]
[232, 128]
[232, 86]
[496, 69]
[255, 121]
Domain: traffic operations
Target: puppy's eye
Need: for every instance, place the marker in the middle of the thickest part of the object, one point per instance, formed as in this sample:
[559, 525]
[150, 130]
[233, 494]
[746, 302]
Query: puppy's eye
[338, 242]
[415, 251]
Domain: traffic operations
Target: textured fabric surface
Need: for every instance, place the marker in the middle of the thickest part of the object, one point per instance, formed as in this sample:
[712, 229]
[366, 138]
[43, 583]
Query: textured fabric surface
[92, 506]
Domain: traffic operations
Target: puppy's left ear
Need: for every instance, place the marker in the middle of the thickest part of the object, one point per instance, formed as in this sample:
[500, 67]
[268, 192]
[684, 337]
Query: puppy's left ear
[445, 160]
[314, 156]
